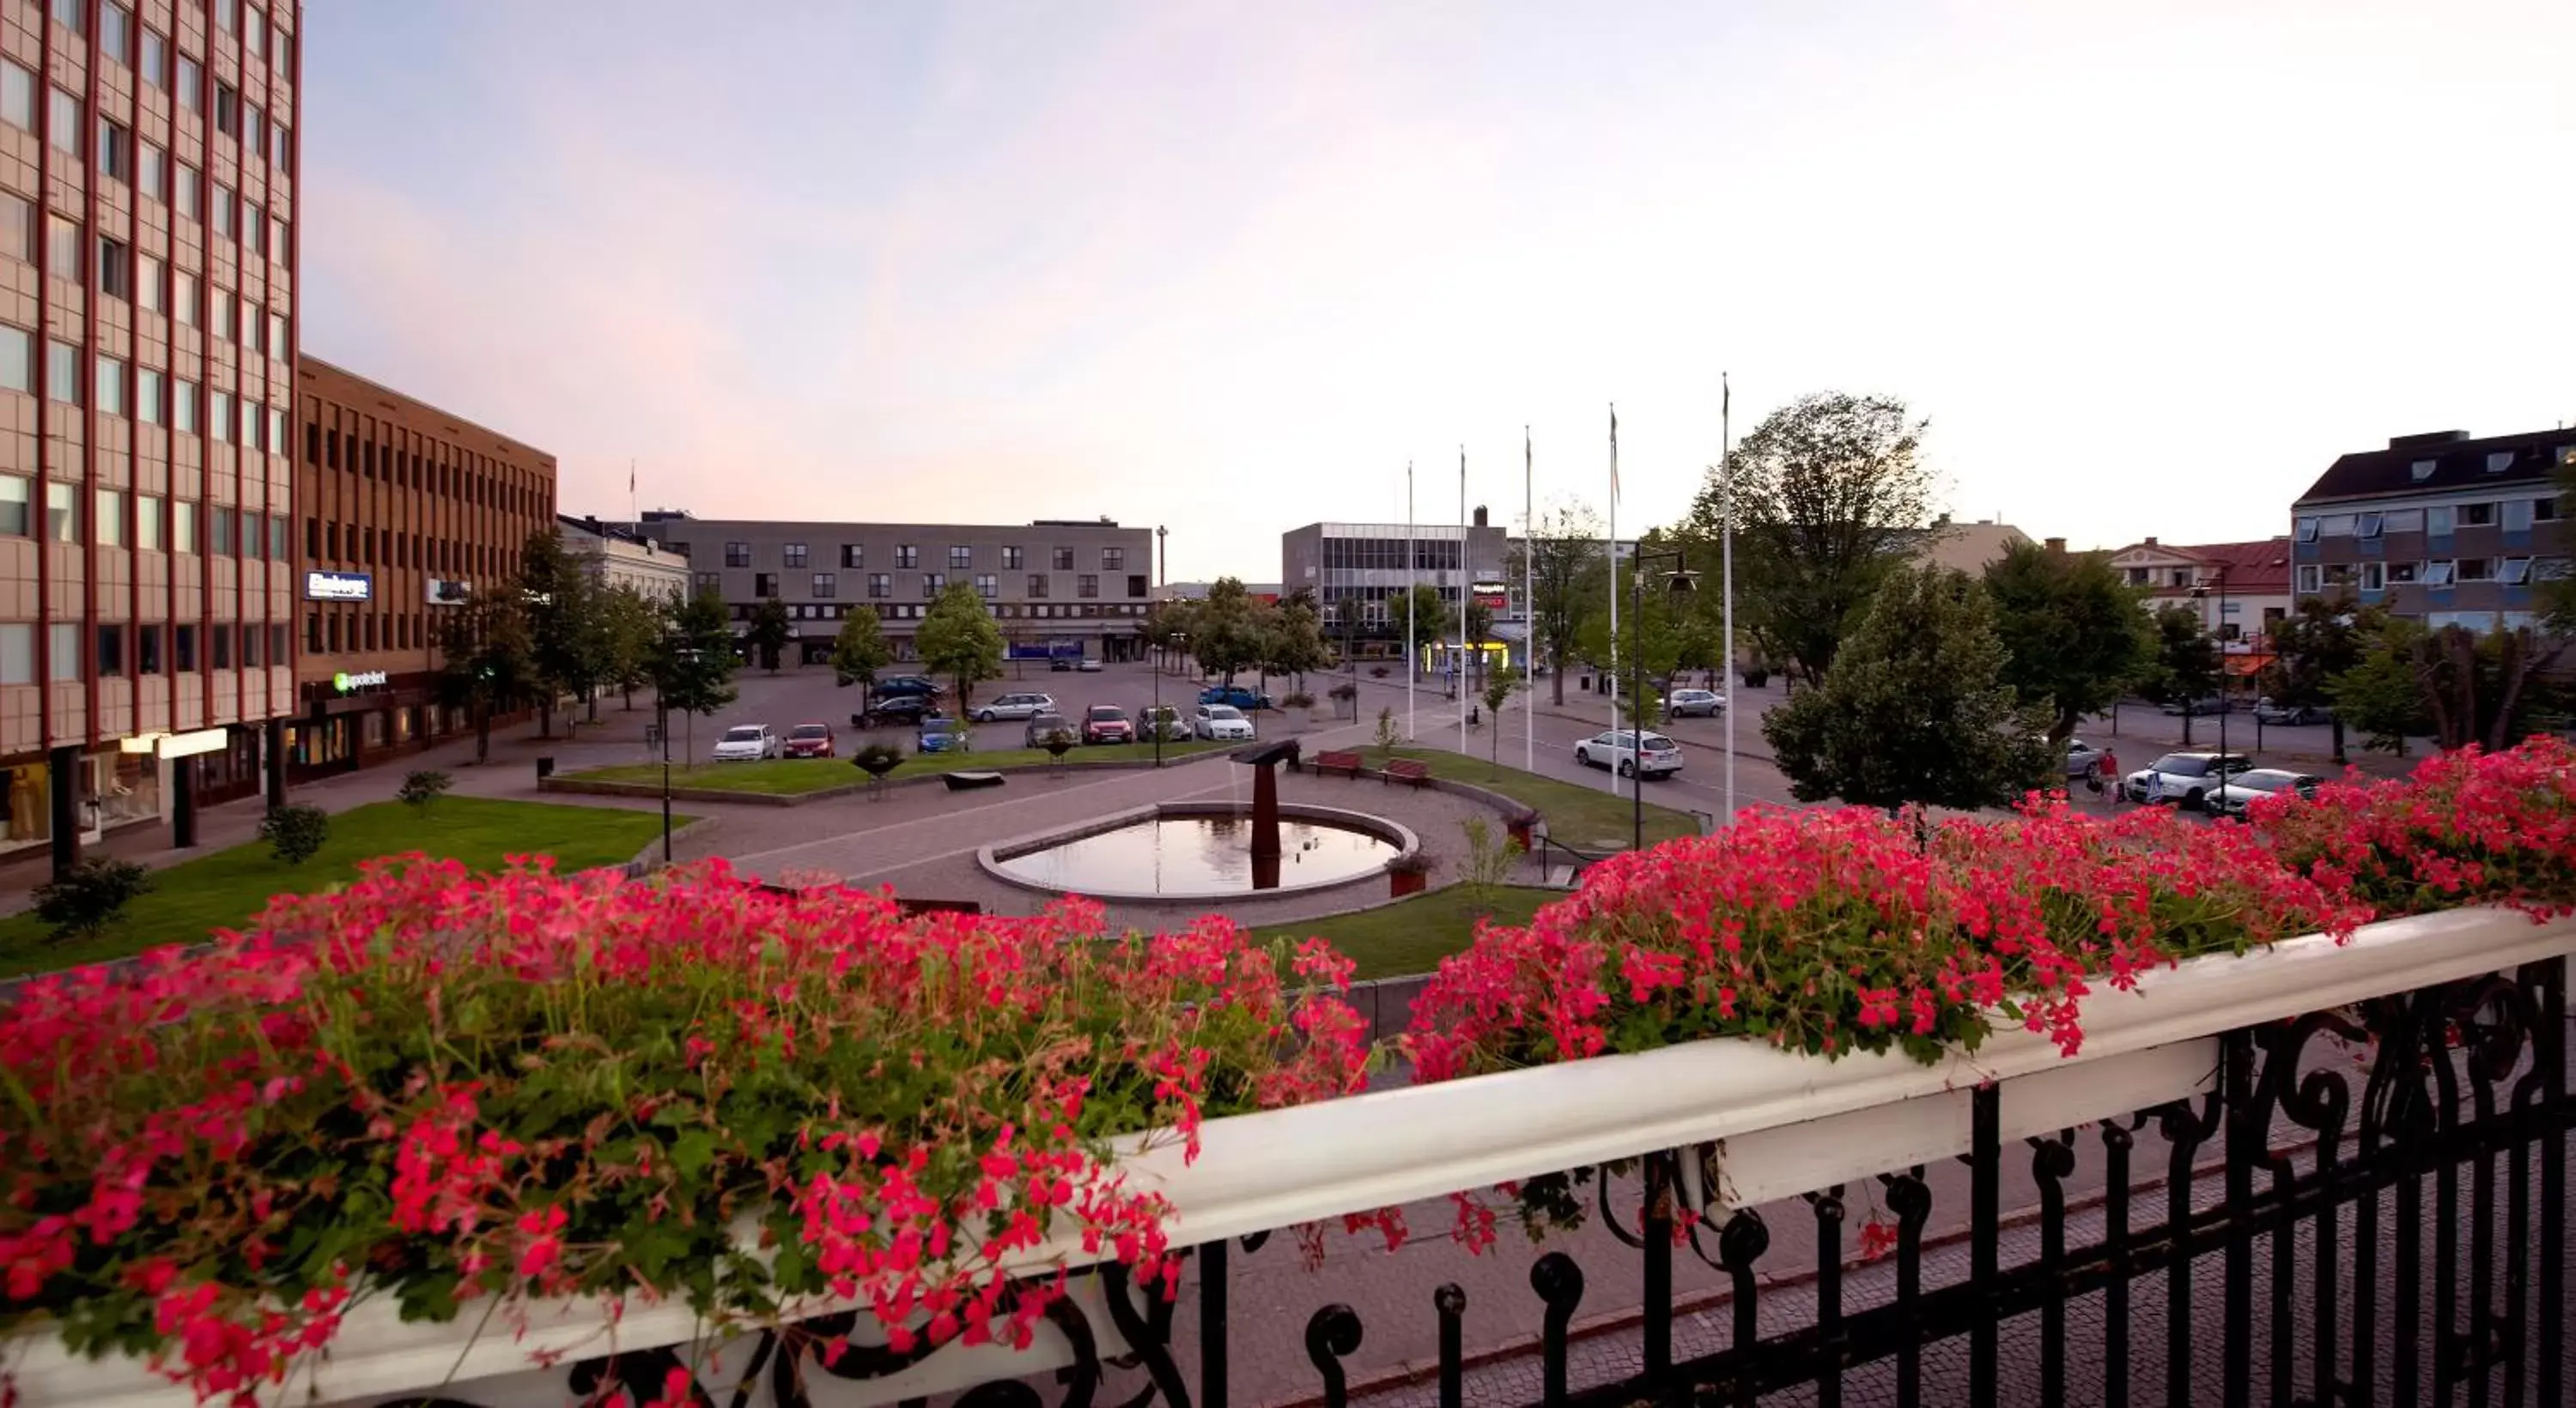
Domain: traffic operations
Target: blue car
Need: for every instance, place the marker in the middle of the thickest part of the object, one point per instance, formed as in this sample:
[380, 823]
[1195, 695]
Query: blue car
[941, 736]
[1236, 695]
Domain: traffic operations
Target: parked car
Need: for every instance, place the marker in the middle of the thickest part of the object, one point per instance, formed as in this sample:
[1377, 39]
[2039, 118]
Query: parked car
[2083, 760]
[1060, 665]
[1615, 749]
[1166, 720]
[1221, 721]
[1015, 706]
[746, 743]
[940, 735]
[2272, 712]
[1236, 695]
[1042, 725]
[1704, 703]
[2210, 704]
[904, 709]
[1107, 723]
[811, 741]
[1088, 666]
[2183, 777]
[894, 686]
[2236, 796]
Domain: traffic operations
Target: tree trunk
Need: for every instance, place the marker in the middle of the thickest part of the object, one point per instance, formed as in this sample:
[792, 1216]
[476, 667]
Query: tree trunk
[546, 716]
[2334, 723]
[483, 733]
[2186, 723]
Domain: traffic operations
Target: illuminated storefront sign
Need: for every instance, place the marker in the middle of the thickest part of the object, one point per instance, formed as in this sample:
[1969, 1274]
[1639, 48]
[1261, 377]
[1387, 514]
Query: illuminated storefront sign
[350, 681]
[339, 586]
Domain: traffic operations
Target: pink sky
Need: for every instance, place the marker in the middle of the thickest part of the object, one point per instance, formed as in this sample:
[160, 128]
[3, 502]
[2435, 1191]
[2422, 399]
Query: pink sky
[2146, 267]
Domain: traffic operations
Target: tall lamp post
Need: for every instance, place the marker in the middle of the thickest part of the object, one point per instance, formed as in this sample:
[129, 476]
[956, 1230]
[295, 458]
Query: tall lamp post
[2218, 632]
[1154, 720]
[682, 655]
[1680, 581]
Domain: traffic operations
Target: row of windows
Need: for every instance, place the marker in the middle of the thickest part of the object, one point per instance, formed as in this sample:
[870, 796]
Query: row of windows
[118, 650]
[414, 470]
[2315, 578]
[880, 585]
[145, 280]
[961, 557]
[2512, 514]
[387, 547]
[912, 611]
[1387, 555]
[118, 519]
[164, 66]
[331, 632]
[143, 393]
[144, 165]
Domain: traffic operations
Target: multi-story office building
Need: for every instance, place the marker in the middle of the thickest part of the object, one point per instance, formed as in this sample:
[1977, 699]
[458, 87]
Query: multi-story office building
[148, 224]
[2442, 528]
[403, 510]
[620, 557]
[1353, 568]
[1057, 586]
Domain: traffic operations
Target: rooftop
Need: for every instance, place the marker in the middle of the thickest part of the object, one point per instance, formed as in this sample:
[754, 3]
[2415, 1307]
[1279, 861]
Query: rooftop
[2445, 461]
[2259, 566]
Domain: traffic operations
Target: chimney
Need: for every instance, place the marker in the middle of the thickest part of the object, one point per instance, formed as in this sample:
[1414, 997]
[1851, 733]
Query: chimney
[1480, 515]
[2151, 542]
[2057, 547]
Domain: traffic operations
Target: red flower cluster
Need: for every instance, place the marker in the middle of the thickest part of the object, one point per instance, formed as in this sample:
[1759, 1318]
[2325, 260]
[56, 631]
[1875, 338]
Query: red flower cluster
[2468, 828]
[447, 1086]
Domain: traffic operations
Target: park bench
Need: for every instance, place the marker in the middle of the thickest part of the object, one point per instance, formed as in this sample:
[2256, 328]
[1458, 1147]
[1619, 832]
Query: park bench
[1337, 762]
[1408, 770]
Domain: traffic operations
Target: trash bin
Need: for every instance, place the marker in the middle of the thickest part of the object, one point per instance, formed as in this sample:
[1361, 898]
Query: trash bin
[545, 768]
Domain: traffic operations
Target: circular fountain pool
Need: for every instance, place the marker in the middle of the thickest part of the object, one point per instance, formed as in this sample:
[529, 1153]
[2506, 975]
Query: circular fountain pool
[1193, 851]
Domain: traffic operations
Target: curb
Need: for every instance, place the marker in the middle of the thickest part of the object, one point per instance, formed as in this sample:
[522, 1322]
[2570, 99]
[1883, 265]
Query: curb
[582, 786]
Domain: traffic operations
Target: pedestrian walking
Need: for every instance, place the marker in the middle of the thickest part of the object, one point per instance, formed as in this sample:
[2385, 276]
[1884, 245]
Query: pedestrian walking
[2108, 773]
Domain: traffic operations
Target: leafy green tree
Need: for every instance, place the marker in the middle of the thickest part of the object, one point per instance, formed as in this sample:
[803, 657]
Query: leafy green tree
[2185, 662]
[1830, 494]
[2074, 634]
[567, 626]
[2557, 595]
[770, 631]
[1227, 629]
[1293, 639]
[1169, 625]
[1659, 629]
[693, 662]
[486, 659]
[631, 622]
[1915, 710]
[1568, 582]
[1429, 613]
[2481, 689]
[2318, 643]
[859, 651]
[959, 638]
[2378, 693]
[1500, 683]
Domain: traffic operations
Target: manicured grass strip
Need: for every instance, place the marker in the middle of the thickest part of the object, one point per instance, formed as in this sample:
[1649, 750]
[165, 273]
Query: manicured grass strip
[191, 900]
[786, 777]
[1589, 818]
[1412, 935]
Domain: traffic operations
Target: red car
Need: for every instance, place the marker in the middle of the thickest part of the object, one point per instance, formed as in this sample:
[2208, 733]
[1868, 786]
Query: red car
[1107, 723]
[811, 741]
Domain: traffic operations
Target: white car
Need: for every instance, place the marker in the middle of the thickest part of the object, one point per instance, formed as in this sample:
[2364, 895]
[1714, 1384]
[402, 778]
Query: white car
[1221, 721]
[746, 743]
[1164, 719]
[2187, 778]
[2236, 796]
[1016, 706]
[1686, 702]
[1660, 757]
[1088, 666]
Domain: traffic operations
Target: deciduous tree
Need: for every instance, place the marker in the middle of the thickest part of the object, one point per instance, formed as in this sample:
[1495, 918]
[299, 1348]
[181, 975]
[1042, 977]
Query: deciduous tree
[859, 651]
[1428, 612]
[2316, 645]
[566, 625]
[958, 638]
[770, 631]
[1568, 582]
[1915, 710]
[2074, 635]
[486, 661]
[630, 624]
[694, 661]
[2185, 662]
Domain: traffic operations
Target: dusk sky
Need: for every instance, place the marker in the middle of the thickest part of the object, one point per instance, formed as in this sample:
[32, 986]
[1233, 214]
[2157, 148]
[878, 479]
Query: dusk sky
[2147, 267]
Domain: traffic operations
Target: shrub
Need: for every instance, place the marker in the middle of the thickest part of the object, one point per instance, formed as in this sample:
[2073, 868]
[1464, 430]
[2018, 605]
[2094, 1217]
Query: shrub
[228, 1152]
[1298, 700]
[877, 759]
[425, 786]
[89, 897]
[1490, 855]
[1414, 862]
[1344, 690]
[1377, 672]
[295, 834]
[1387, 736]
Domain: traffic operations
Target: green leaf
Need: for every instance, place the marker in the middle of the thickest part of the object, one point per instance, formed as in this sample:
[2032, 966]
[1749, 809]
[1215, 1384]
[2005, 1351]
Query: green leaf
[693, 1151]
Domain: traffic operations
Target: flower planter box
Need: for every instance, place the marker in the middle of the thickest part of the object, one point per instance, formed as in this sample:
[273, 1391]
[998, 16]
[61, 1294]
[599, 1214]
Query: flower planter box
[1400, 883]
[1770, 1125]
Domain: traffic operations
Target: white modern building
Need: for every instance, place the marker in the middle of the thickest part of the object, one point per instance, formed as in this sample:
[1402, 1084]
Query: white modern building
[616, 556]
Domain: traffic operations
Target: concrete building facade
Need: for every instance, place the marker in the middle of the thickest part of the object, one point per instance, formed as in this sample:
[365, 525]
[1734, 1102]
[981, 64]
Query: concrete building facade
[1354, 568]
[404, 509]
[618, 557]
[1057, 586]
[2442, 528]
[149, 234]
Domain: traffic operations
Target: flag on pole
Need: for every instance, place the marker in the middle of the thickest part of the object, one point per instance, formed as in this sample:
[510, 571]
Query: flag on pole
[1614, 454]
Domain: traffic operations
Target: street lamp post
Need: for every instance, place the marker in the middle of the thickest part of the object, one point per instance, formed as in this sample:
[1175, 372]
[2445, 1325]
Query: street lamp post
[1154, 720]
[2218, 633]
[662, 710]
[1680, 581]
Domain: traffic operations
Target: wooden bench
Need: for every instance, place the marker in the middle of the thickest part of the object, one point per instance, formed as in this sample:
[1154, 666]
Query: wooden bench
[1336, 762]
[1407, 770]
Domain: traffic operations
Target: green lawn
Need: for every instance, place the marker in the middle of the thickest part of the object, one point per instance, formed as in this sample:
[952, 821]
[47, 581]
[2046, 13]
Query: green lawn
[787, 777]
[1413, 935]
[191, 900]
[1588, 818]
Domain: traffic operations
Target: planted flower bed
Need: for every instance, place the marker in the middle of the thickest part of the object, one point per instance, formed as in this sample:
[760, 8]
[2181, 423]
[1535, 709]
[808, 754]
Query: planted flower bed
[456, 1093]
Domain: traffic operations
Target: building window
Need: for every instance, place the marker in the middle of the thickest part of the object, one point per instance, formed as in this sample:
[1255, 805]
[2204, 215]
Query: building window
[147, 650]
[1113, 559]
[2307, 530]
[1064, 559]
[764, 584]
[2437, 574]
[192, 84]
[1086, 585]
[2476, 569]
[111, 386]
[63, 250]
[2514, 571]
[1136, 586]
[65, 122]
[109, 508]
[220, 537]
[960, 557]
[250, 646]
[111, 652]
[880, 585]
[987, 585]
[2477, 515]
[826, 585]
[17, 96]
[795, 554]
[2498, 461]
[17, 359]
[17, 507]
[183, 526]
[277, 541]
[219, 639]
[737, 554]
[62, 512]
[219, 414]
[148, 515]
[2374, 576]
[2421, 470]
[227, 220]
[854, 555]
[187, 192]
[2438, 520]
[63, 642]
[1013, 559]
[906, 555]
[17, 227]
[709, 582]
[227, 109]
[152, 284]
[156, 59]
[115, 149]
[1037, 585]
[933, 583]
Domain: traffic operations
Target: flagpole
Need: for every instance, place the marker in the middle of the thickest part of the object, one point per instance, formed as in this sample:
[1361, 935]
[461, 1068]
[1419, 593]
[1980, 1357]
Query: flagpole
[1726, 551]
[1529, 614]
[1612, 553]
[1459, 672]
[1411, 567]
